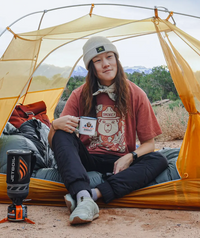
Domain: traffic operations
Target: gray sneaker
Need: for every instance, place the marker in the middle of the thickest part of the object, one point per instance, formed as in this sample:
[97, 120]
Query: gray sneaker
[86, 211]
[70, 202]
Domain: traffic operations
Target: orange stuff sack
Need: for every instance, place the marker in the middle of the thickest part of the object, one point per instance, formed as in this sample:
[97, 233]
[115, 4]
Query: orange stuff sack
[24, 113]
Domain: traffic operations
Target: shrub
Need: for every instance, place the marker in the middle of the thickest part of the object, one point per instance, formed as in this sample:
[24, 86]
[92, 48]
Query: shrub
[59, 108]
[177, 103]
[173, 122]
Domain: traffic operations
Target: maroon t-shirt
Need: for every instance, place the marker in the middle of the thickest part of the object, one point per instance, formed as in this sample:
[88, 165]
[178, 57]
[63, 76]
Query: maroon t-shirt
[115, 135]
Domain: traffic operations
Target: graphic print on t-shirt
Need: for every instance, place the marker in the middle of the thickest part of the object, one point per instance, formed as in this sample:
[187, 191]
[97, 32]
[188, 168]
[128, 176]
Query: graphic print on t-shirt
[110, 129]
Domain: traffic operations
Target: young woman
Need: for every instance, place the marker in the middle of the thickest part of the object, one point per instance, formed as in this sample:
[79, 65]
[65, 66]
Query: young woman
[122, 109]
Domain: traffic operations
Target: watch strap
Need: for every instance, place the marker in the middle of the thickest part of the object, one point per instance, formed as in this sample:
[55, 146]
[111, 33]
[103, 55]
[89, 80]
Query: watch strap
[134, 155]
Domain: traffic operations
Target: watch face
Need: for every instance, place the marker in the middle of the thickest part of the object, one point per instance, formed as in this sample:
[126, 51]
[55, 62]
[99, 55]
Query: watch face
[134, 155]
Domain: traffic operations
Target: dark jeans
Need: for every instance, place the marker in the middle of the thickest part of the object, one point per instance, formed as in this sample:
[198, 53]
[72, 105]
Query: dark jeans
[74, 161]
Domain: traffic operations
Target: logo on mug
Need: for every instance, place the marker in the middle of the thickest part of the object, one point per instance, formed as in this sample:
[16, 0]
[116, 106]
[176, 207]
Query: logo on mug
[88, 127]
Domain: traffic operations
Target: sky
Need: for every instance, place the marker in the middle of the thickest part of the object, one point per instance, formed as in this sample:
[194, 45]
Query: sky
[146, 51]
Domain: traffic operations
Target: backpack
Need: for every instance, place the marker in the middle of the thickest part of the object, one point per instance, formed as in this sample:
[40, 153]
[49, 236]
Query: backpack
[24, 113]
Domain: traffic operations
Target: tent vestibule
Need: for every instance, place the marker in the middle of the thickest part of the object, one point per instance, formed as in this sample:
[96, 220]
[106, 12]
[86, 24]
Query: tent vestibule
[28, 50]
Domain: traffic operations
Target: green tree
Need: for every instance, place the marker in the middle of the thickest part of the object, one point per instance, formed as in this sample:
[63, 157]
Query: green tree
[73, 83]
[158, 84]
[162, 76]
[135, 77]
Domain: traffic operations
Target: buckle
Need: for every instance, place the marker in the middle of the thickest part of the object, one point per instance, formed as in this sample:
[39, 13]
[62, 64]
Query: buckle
[29, 113]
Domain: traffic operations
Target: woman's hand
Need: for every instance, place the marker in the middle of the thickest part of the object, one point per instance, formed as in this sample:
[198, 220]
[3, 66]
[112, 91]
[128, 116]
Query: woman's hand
[123, 163]
[66, 123]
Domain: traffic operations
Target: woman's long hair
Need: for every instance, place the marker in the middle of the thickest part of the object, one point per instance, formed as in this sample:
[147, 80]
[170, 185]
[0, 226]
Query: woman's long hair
[121, 90]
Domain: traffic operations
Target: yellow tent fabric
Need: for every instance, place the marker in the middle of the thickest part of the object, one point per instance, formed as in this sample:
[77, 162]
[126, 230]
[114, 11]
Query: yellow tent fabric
[28, 50]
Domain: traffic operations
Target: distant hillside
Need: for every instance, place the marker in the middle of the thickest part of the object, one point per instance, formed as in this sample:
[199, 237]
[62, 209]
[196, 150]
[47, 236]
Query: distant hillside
[139, 69]
[50, 70]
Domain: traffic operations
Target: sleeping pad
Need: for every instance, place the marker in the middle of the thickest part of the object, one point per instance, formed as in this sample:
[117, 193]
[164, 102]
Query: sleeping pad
[33, 135]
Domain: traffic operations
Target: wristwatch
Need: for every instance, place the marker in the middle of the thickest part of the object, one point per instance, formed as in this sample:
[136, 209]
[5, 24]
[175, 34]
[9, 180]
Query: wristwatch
[134, 155]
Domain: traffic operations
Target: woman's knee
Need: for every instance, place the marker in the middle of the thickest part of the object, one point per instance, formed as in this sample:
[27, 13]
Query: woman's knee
[161, 160]
[59, 134]
[63, 138]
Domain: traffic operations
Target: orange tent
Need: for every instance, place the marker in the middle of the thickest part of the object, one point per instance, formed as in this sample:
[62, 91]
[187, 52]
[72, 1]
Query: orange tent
[28, 50]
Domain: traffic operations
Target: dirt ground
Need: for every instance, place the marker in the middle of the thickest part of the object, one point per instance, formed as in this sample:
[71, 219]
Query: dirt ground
[113, 222]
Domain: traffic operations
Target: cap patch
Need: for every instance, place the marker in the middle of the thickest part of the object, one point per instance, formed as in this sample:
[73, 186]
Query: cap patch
[100, 49]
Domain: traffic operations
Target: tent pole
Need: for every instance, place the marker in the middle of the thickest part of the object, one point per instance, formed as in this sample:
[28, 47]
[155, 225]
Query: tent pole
[97, 4]
[19, 20]
[41, 19]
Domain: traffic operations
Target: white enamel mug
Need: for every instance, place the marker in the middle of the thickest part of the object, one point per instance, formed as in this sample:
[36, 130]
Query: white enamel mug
[87, 125]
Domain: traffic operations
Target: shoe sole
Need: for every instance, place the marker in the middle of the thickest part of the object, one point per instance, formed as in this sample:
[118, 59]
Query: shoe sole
[77, 220]
[68, 204]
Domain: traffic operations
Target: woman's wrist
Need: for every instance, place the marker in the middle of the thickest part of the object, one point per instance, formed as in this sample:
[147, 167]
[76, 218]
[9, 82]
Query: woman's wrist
[52, 125]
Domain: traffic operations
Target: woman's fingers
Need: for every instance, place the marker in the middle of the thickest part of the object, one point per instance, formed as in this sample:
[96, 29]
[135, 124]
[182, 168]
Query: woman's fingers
[69, 123]
[74, 119]
[72, 123]
[71, 128]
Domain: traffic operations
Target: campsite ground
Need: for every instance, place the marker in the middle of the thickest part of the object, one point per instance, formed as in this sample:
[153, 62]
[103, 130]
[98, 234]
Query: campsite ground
[113, 222]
